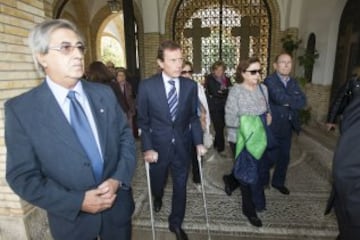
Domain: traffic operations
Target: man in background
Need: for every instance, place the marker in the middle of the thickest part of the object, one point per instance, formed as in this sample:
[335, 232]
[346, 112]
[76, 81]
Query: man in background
[285, 99]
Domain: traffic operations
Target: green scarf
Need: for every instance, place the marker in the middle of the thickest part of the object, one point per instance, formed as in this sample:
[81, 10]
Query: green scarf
[251, 134]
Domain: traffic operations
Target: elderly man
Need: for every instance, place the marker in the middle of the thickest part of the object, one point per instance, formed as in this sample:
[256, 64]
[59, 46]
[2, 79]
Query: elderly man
[285, 99]
[69, 148]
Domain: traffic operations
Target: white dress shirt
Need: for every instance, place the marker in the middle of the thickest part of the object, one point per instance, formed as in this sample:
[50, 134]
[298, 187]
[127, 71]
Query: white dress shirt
[60, 93]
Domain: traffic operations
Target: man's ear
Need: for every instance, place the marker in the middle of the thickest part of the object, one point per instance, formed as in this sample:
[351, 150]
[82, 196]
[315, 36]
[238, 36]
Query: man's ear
[274, 66]
[160, 63]
[41, 60]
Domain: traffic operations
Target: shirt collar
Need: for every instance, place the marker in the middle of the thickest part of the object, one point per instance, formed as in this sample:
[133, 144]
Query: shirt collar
[167, 78]
[61, 92]
[284, 79]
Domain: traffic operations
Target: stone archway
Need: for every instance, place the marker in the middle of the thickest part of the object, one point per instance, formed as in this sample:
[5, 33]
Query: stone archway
[90, 26]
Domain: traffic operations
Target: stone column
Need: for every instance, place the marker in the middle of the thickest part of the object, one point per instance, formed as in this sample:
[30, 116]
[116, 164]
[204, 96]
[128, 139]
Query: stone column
[151, 44]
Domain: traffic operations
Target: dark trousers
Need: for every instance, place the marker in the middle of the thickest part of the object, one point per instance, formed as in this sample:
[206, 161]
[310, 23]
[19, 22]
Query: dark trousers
[278, 156]
[346, 230]
[217, 115]
[253, 197]
[179, 173]
[195, 166]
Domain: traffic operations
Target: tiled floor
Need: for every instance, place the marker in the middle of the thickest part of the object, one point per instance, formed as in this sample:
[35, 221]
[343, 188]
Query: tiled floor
[297, 216]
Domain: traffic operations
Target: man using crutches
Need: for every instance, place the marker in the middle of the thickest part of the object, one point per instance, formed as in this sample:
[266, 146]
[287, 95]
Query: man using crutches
[167, 116]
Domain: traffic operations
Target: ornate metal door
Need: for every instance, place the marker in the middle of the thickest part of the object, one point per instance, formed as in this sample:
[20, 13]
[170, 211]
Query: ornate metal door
[230, 30]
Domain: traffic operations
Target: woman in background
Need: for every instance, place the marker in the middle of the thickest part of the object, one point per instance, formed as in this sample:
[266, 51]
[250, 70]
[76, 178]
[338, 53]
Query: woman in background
[98, 72]
[126, 95]
[217, 88]
[187, 71]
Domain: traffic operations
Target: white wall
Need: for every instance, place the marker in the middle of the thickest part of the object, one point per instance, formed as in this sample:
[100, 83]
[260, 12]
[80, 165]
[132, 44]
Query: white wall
[290, 13]
[322, 17]
[152, 13]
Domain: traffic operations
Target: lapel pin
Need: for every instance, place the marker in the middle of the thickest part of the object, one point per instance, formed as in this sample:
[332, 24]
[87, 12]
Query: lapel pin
[102, 110]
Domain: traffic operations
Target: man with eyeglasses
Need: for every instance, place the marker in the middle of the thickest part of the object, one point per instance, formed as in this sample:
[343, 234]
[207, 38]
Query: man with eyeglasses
[167, 116]
[69, 148]
[285, 99]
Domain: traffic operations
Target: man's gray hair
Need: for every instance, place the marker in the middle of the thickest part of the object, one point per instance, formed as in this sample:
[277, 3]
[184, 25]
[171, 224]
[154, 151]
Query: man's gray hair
[39, 37]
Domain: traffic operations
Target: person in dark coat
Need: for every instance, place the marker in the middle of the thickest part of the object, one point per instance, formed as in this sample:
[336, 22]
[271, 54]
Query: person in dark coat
[343, 98]
[217, 89]
[285, 99]
[346, 174]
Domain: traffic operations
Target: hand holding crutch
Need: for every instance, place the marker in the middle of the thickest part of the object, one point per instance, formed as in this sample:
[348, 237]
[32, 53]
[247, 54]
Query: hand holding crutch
[150, 156]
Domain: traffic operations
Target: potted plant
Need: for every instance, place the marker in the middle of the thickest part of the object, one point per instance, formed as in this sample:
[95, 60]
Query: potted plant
[289, 44]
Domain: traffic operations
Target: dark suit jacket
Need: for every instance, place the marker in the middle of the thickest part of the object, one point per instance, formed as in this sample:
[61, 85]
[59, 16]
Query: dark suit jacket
[47, 166]
[285, 102]
[154, 120]
[346, 168]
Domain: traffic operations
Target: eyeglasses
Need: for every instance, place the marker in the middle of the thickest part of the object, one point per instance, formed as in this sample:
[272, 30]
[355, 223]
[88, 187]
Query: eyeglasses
[254, 72]
[284, 62]
[67, 49]
[187, 72]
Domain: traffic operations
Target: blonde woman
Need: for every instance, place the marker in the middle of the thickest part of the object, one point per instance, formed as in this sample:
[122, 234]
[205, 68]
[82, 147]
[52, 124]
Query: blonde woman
[187, 72]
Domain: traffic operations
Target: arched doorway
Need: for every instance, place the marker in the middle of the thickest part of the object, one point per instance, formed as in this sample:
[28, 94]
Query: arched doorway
[348, 46]
[112, 41]
[102, 27]
[229, 30]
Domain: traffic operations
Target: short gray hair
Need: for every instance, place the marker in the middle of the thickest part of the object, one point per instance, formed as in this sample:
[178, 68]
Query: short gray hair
[39, 37]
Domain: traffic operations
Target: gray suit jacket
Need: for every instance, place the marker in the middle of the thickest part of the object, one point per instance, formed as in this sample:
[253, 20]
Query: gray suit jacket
[47, 166]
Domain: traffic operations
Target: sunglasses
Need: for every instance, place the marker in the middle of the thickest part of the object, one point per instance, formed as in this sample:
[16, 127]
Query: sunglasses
[254, 72]
[187, 72]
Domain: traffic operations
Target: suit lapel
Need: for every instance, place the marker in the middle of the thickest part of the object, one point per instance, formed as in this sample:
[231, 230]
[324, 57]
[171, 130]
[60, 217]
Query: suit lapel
[162, 95]
[51, 115]
[99, 111]
[182, 97]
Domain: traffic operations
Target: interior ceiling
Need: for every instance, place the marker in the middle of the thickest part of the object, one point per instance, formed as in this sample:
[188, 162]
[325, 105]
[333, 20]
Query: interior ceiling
[91, 7]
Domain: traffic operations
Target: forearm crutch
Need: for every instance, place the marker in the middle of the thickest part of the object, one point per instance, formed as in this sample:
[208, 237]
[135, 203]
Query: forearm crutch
[204, 196]
[147, 167]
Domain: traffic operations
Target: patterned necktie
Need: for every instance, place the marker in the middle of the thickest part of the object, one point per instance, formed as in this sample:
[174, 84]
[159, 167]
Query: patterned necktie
[81, 126]
[172, 100]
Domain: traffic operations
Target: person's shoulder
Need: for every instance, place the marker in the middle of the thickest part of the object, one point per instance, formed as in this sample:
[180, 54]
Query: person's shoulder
[235, 88]
[26, 98]
[271, 76]
[263, 86]
[150, 80]
[188, 82]
[97, 87]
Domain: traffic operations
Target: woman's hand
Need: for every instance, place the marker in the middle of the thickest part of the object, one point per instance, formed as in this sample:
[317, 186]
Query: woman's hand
[268, 119]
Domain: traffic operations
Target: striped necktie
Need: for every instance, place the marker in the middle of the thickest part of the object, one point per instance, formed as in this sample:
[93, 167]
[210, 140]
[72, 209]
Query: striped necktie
[172, 100]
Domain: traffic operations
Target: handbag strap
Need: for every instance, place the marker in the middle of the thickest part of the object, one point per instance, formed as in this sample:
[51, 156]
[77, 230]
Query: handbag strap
[266, 101]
